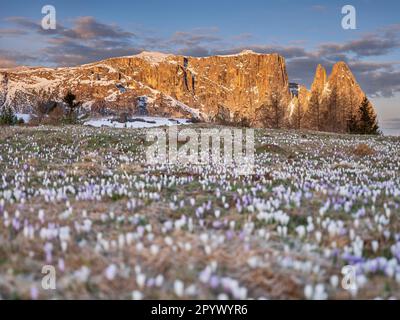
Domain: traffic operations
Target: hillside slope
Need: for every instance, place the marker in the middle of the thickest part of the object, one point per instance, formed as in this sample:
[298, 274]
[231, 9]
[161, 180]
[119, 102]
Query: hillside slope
[247, 87]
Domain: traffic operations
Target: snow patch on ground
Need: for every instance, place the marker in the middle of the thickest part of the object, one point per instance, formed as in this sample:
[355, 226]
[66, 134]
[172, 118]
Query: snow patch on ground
[193, 112]
[136, 122]
[88, 105]
[24, 116]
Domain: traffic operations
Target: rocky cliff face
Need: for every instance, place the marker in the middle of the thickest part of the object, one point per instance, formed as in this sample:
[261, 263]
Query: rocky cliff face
[3, 88]
[333, 101]
[237, 84]
[246, 88]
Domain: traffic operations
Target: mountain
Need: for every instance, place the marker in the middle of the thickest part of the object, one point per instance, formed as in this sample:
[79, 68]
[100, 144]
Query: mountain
[333, 100]
[248, 88]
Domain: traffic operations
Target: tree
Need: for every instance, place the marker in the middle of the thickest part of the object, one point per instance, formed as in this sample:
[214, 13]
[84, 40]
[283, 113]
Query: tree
[296, 114]
[352, 124]
[69, 100]
[368, 121]
[44, 107]
[277, 108]
[365, 122]
[313, 120]
[272, 112]
[7, 117]
[332, 118]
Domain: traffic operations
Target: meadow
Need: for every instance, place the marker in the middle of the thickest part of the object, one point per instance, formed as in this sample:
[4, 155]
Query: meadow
[84, 200]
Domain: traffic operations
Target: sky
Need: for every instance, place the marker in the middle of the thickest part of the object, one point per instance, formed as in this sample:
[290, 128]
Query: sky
[305, 32]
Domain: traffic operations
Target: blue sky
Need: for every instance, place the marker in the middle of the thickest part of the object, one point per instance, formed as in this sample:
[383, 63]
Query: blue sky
[304, 32]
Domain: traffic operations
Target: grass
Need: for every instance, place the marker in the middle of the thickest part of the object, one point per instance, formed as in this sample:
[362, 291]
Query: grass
[142, 219]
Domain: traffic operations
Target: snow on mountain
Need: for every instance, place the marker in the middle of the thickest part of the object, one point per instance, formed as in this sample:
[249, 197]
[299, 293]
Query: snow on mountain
[240, 87]
[153, 57]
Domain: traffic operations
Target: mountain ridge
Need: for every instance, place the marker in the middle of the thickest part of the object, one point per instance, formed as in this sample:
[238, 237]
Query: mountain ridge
[247, 87]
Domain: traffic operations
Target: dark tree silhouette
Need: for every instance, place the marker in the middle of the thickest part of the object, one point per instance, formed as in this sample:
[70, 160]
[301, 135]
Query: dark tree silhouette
[352, 124]
[313, 114]
[7, 117]
[272, 112]
[368, 122]
[365, 122]
[73, 106]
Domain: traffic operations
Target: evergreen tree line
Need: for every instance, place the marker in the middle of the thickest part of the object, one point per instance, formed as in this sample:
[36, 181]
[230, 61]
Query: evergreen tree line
[365, 121]
[8, 117]
[333, 117]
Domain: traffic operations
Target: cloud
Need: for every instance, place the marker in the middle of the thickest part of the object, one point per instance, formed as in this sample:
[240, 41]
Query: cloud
[318, 8]
[378, 43]
[375, 78]
[195, 37]
[7, 62]
[88, 28]
[391, 124]
[393, 120]
[304, 68]
[243, 37]
[9, 59]
[196, 42]
[11, 32]
[364, 47]
[83, 28]
[202, 50]
[367, 66]
[287, 51]
[27, 24]
[87, 40]
[68, 52]
[196, 51]
[381, 83]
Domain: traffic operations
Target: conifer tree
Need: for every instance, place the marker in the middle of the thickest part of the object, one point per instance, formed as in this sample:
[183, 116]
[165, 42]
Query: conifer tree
[7, 117]
[365, 122]
[368, 123]
[73, 106]
[352, 124]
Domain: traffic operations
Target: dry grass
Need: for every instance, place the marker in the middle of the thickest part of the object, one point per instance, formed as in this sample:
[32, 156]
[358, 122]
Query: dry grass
[102, 171]
[363, 150]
